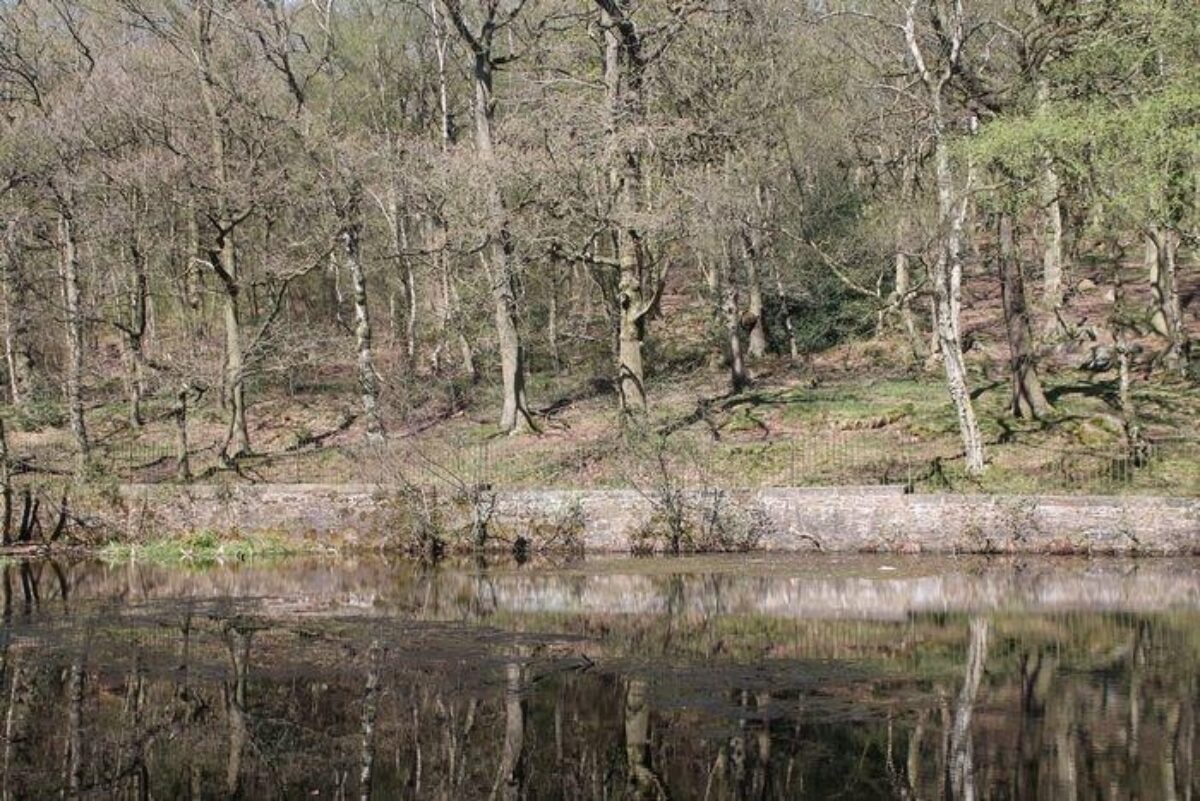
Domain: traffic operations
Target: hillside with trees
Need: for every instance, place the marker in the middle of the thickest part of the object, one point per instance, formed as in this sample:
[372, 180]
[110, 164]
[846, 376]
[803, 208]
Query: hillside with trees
[950, 241]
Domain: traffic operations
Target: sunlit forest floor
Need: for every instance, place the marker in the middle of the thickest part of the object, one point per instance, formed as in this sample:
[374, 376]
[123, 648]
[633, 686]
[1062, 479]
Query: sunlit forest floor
[865, 411]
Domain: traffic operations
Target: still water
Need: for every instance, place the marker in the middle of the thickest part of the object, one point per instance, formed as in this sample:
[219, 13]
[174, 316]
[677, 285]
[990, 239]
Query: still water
[706, 678]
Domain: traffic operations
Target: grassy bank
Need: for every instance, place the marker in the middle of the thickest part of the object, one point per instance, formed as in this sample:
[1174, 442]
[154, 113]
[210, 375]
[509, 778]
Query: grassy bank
[821, 421]
[205, 548]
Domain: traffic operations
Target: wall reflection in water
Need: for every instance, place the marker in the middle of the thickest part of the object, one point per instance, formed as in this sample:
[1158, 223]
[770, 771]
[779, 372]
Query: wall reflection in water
[145, 684]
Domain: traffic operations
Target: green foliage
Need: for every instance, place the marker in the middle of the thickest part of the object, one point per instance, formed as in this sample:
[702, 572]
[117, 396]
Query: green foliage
[38, 415]
[1123, 119]
[205, 547]
[827, 314]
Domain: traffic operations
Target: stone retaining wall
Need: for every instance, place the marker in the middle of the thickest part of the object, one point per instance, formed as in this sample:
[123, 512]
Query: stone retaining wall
[844, 519]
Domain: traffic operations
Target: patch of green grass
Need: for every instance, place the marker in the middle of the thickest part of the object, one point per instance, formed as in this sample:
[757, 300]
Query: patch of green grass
[38, 415]
[204, 547]
[868, 400]
[744, 420]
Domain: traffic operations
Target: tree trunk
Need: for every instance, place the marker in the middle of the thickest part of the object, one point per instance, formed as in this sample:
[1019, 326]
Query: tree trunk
[16, 716]
[367, 383]
[450, 321]
[789, 324]
[1162, 250]
[623, 89]
[394, 318]
[410, 324]
[552, 321]
[441, 298]
[73, 769]
[237, 437]
[630, 336]
[1028, 399]
[183, 467]
[191, 275]
[515, 413]
[446, 127]
[961, 763]
[73, 304]
[950, 345]
[643, 782]
[731, 317]
[1052, 253]
[335, 273]
[946, 275]
[370, 710]
[947, 287]
[1134, 444]
[17, 319]
[1158, 310]
[407, 280]
[511, 779]
[752, 244]
[903, 279]
[6, 496]
[903, 272]
[135, 331]
[235, 708]
[455, 304]
[223, 255]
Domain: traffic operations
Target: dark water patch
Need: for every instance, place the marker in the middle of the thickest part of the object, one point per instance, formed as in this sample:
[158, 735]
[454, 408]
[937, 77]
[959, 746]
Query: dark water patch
[707, 678]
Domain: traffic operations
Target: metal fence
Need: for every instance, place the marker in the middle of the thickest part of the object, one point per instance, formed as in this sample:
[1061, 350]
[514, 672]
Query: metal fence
[827, 458]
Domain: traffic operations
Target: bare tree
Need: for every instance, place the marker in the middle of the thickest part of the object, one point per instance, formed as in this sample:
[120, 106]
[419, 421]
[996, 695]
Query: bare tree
[18, 312]
[224, 218]
[753, 250]
[498, 259]
[351, 246]
[624, 77]
[948, 23]
[68, 266]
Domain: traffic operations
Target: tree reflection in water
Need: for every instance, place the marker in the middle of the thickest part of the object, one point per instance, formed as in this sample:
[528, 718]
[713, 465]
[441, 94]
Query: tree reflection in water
[483, 683]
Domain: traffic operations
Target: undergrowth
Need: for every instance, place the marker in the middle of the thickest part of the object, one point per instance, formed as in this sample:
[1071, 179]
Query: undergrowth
[205, 547]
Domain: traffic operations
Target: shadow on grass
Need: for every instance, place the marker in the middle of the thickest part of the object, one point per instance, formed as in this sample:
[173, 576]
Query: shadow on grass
[1013, 435]
[747, 399]
[1101, 390]
[979, 392]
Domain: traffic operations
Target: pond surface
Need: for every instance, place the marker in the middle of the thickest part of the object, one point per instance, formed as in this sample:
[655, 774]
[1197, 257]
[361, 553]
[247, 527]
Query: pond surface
[720, 678]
